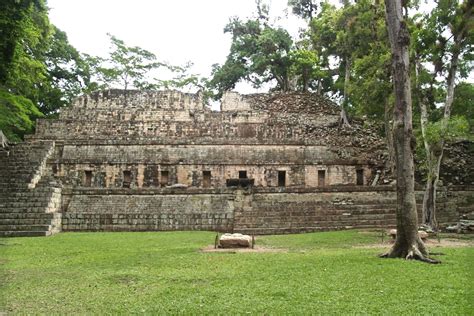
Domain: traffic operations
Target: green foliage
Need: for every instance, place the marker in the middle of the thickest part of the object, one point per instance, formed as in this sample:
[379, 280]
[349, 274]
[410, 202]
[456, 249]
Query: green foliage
[68, 73]
[323, 36]
[464, 101]
[371, 87]
[304, 64]
[182, 79]
[24, 27]
[303, 8]
[445, 32]
[329, 273]
[131, 66]
[356, 34]
[127, 66]
[17, 115]
[36, 63]
[435, 34]
[442, 45]
[24, 30]
[457, 126]
[259, 53]
[435, 134]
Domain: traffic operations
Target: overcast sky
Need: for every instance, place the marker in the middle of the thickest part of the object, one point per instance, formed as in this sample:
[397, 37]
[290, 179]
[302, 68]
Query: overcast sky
[176, 31]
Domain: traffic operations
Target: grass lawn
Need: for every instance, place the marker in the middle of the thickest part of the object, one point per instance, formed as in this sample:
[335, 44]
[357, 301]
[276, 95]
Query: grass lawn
[318, 273]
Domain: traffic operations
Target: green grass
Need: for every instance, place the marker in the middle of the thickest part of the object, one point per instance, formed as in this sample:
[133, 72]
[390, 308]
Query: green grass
[157, 273]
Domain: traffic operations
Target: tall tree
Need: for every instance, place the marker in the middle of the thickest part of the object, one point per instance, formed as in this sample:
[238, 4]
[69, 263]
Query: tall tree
[68, 73]
[24, 32]
[407, 244]
[39, 69]
[304, 67]
[259, 54]
[445, 36]
[127, 65]
[341, 36]
[131, 67]
[17, 115]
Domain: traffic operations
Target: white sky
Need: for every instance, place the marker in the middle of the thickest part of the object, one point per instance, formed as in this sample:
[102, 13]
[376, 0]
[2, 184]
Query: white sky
[176, 31]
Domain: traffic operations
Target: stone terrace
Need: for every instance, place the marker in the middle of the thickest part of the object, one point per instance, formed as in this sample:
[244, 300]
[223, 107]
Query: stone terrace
[265, 163]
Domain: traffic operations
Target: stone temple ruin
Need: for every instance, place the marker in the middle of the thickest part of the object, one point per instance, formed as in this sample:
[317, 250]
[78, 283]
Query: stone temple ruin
[157, 161]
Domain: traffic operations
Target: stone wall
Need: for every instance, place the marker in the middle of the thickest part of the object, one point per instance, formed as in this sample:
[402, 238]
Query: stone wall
[185, 164]
[266, 211]
[253, 211]
[112, 135]
[453, 203]
[120, 99]
[151, 210]
[179, 126]
[137, 160]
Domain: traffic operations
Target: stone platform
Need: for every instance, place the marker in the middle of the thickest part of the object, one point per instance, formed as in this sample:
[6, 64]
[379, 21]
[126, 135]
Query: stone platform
[162, 160]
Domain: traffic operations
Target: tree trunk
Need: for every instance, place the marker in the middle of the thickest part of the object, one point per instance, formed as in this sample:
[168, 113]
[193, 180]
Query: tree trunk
[283, 81]
[429, 203]
[388, 117]
[407, 244]
[429, 198]
[434, 156]
[305, 80]
[320, 86]
[344, 120]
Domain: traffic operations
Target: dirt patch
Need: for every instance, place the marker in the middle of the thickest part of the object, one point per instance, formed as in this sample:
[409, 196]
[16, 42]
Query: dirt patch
[257, 249]
[431, 243]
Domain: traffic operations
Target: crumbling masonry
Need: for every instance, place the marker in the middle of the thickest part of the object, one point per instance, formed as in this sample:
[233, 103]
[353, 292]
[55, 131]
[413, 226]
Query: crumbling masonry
[138, 161]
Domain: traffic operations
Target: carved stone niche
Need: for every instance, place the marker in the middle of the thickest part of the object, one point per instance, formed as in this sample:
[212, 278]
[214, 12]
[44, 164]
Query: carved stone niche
[242, 182]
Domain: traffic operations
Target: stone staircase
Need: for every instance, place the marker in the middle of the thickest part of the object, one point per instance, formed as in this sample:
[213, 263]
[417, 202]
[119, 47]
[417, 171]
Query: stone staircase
[30, 198]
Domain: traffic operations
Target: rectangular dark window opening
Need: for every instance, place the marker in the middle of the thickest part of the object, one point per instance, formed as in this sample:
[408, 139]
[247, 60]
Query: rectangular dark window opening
[281, 178]
[127, 179]
[243, 174]
[206, 179]
[360, 176]
[164, 178]
[321, 178]
[88, 178]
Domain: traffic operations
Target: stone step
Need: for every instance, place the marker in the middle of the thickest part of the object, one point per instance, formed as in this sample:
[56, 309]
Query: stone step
[18, 174]
[25, 227]
[12, 201]
[25, 233]
[6, 174]
[21, 161]
[39, 191]
[26, 209]
[29, 196]
[25, 202]
[45, 216]
[4, 187]
[29, 222]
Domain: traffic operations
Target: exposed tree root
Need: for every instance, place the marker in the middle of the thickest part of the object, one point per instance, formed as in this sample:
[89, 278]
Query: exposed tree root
[412, 256]
[416, 251]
